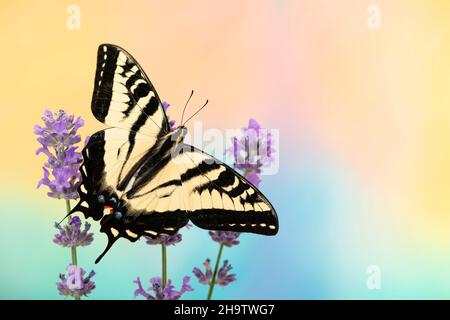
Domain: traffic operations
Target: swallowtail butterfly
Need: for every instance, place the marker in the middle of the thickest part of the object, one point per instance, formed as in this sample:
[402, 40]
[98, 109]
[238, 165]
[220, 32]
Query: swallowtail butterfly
[139, 178]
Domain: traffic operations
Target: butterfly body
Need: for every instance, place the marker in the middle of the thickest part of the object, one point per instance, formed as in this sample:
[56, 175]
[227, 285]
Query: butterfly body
[140, 178]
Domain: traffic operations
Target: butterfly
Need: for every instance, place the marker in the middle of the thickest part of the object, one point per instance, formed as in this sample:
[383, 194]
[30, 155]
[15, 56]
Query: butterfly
[140, 178]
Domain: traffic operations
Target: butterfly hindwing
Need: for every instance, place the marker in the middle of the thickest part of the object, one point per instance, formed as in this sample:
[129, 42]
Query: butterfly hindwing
[219, 198]
[215, 196]
[108, 158]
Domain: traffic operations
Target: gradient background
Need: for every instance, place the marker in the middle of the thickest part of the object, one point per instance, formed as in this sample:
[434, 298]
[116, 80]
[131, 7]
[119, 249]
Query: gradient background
[364, 125]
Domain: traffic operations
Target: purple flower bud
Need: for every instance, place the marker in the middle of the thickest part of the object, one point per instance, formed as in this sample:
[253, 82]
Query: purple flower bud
[75, 221]
[165, 105]
[171, 122]
[252, 125]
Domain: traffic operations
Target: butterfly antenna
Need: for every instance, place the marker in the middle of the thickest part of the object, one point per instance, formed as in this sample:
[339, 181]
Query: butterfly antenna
[197, 111]
[184, 109]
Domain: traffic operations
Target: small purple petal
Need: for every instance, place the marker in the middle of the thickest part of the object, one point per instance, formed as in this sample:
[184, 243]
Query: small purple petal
[253, 178]
[253, 124]
[140, 291]
[204, 278]
[223, 278]
[165, 105]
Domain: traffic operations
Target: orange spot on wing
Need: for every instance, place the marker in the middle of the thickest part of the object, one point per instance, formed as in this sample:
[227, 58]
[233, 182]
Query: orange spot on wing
[107, 210]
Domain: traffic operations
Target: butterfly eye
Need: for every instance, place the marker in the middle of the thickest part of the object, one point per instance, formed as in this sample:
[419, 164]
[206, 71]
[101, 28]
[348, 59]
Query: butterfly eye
[101, 199]
[118, 215]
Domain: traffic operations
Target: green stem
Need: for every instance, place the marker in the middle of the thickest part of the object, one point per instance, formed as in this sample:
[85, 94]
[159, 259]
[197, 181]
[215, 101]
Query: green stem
[74, 256]
[164, 264]
[216, 267]
[68, 206]
[73, 249]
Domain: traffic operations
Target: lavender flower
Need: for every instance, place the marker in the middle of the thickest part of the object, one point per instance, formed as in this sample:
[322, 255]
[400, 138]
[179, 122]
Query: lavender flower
[227, 238]
[71, 235]
[223, 278]
[160, 293]
[58, 137]
[75, 285]
[171, 122]
[251, 151]
[168, 240]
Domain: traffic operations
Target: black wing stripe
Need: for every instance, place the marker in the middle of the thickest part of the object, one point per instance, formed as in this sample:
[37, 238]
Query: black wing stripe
[149, 110]
[250, 221]
[201, 169]
[104, 77]
[167, 184]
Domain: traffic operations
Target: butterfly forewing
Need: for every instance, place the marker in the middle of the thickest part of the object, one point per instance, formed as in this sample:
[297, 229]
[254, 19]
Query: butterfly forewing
[123, 95]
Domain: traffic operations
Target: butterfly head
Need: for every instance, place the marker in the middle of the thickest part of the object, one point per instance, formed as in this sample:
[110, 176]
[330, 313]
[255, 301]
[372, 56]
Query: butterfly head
[179, 133]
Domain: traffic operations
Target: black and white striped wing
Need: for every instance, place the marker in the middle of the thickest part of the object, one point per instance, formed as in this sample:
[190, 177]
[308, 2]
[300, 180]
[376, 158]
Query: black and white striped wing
[125, 99]
[127, 168]
[216, 197]
[109, 157]
[123, 95]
